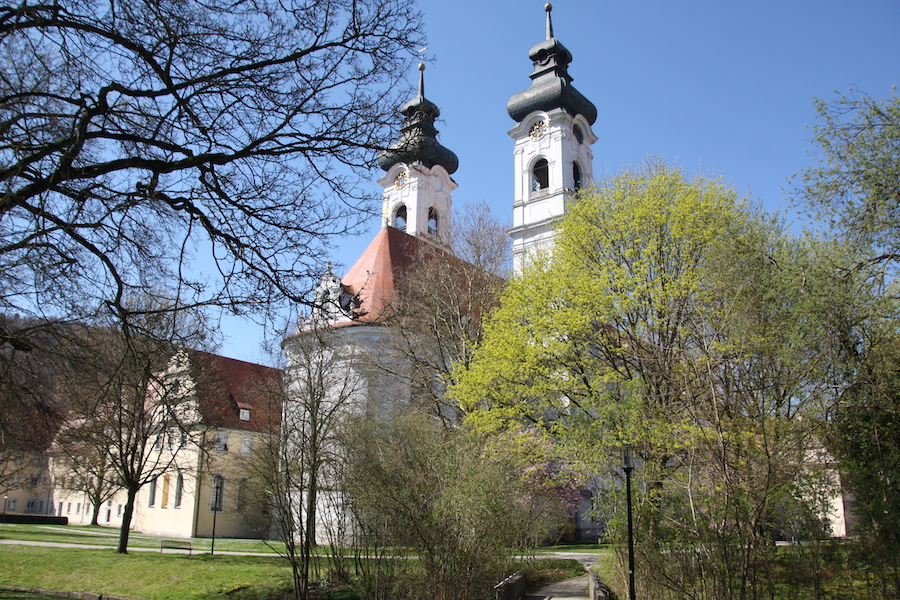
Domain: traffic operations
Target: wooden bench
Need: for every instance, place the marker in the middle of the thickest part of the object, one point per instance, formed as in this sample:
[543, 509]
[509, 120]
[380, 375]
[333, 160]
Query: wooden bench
[175, 545]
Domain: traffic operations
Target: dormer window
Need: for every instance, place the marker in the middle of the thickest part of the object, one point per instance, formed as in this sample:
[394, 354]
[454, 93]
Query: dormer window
[432, 221]
[540, 176]
[400, 218]
[244, 414]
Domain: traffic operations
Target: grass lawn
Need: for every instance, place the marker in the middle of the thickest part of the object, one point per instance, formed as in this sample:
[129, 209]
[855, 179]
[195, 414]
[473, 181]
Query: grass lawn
[109, 537]
[139, 575]
[156, 576]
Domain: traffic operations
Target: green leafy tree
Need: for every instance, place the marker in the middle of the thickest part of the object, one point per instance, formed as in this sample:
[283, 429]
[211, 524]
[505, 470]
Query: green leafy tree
[865, 438]
[674, 318]
[857, 184]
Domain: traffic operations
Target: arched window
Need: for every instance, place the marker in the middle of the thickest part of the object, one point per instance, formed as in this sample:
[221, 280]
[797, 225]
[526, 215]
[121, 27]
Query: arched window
[400, 218]
[179, 489]
[540, 175]
[243, 494]
[576, 176]
[432, 221]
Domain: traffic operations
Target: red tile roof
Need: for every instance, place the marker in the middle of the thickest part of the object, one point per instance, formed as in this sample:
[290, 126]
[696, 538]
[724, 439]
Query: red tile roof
[375, 275]
[226, 385]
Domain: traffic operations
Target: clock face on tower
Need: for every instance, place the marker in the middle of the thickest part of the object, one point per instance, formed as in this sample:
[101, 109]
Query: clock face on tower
[400, 180]
[538, 130]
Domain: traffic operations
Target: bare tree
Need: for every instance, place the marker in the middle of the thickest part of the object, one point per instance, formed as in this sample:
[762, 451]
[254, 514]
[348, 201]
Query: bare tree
[129, 400]
[465, 505]
[201, 151]
[292, 482]
[33, 357]
[440, 303]
[87, 467]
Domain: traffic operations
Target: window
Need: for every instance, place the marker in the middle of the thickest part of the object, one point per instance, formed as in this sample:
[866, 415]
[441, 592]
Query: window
[221, 443]
[243, 495]
[35, 481]
[11, 504]
[540, 176]
[244, 414]
[68, 508]
[247, 444]
[29, 506]
[119, 510]
[164, 503]
[179, 488]
[576, 176]
[152, 502]
[78, 508]
[59, 513]
[432, 221]
[579, 134]
[400, 218]
[217, 493]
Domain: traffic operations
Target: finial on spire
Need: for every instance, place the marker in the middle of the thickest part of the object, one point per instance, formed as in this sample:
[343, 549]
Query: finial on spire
[422, 80]
[549, 7]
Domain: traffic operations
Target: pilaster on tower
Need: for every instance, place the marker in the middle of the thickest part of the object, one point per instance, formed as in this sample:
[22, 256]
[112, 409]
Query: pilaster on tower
[553, 138]
[417, 183]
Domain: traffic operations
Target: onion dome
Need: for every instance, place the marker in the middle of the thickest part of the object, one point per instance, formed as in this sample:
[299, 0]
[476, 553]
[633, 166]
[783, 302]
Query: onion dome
[551, 85]
[418, 137]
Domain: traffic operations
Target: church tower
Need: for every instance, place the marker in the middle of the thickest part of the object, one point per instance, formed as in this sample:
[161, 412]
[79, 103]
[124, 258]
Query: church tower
[417, 183]
[553, 140]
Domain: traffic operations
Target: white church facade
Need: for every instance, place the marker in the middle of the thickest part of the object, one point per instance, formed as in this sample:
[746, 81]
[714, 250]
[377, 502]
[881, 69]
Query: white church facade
[350, 320]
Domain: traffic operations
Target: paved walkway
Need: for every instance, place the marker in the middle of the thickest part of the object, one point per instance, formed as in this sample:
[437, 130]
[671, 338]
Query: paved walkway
[575, 588]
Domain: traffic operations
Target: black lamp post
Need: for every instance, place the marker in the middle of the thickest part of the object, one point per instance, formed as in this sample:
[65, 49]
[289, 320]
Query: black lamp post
[629, 467]
[217, 499]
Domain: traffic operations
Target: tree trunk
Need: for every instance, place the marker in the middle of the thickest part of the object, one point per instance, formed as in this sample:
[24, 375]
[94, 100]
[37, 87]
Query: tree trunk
[126, 520]
[97, 499]
[309, 533]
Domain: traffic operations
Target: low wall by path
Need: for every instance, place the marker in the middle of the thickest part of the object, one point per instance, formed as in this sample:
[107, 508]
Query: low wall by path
[61, 594]
[34, 519]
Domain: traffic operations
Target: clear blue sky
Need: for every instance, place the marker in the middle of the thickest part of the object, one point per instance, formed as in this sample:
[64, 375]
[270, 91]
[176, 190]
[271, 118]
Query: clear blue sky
[718, 85]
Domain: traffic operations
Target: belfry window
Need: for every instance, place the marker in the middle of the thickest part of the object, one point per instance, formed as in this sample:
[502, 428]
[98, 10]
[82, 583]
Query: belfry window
[400, 218]
[540, 176]
[432, 221]
[576, 176]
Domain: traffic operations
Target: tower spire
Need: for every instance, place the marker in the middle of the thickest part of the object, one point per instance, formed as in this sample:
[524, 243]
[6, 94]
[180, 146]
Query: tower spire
[552, 152]
[549, 7]
[421, 81]
[417, 182]
[418, 142]
[551, 85]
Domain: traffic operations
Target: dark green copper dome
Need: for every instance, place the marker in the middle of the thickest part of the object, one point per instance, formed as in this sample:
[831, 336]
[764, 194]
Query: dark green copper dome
[418, 137]
[551, 86]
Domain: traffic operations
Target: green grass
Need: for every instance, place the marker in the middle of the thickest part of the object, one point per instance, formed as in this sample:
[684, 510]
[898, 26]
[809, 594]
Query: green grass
[109, 537]
[140, 575]
[155, 576]
[543, 571]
